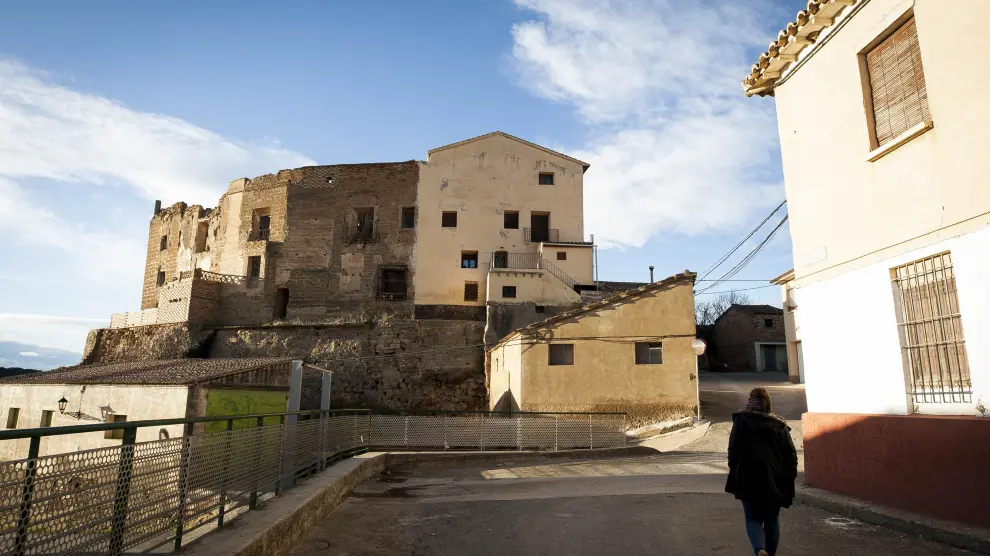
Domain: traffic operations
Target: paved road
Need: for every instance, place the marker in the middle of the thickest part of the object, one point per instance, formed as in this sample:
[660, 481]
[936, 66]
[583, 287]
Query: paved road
[669, 504]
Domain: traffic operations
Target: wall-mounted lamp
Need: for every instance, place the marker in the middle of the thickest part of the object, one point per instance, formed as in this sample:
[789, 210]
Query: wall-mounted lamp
[61, 404]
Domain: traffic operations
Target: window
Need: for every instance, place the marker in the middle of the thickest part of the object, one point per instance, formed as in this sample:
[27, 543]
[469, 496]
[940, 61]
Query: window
[12, 415]
[469, 259]
[546, 178]
[897, 84]
[539, 308]
[202, 230]
[561, 255]
[500, 259]
[264, 222]
[409, 217]
[561, 354]
[392, 283]
[364, 224]
[470, 291]
[768, 323]
[930, 330]
[117, 434]
[160, 279]
[164, 243]
[649, 353]
[511, 220]
[46, 418]
[509, 292]
[281, 304]
[254, 266]
[448, 219]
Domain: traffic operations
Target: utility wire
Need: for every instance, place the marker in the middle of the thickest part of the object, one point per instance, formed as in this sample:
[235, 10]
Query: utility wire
[725, 257]
[733, 291]
[748, 258]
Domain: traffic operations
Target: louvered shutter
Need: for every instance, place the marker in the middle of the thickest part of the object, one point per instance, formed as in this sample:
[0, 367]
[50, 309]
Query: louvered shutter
[897, 82]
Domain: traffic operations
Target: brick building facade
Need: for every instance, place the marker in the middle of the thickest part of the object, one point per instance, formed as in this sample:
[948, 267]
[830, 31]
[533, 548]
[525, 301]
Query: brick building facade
[749, 338]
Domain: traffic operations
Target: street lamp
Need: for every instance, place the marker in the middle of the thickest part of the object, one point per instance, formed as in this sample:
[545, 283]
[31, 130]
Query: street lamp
[698, 346]
[61, 405]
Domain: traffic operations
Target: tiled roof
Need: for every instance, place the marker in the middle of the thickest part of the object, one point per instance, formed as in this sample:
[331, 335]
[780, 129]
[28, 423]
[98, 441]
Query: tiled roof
[628, 295]
[791, 41]
[585, 165]
[174, 371]
[756, 309]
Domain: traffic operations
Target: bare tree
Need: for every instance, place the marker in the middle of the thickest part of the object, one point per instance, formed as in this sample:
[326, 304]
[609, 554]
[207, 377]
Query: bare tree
[709, 308]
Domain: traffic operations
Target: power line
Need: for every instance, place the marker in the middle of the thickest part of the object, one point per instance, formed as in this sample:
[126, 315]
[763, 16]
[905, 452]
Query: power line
[733, 291]
[725, 257]
[737, 280]
[748, 258]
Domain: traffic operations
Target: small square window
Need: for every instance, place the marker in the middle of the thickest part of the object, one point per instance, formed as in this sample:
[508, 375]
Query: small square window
[561, 255]
[393, 283]
[768, 323]
[12, 415]
[116, 434]
[649, 353]
[509, 292]
[409, 217]
[511, 220]
[546, 178]
[264, 222]
[469, 259]
[164, 243]
[561, 354]
[539, 309]
[46, 418]
[448, 219]
[470, 291]
[254, 266]
[160, 280]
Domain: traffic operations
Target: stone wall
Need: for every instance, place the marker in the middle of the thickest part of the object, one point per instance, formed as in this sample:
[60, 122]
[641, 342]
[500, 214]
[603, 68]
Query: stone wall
[142, 343]
[738, 328]
[503, 318]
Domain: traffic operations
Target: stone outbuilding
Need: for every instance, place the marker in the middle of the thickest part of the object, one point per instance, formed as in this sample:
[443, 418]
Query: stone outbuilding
[749, 338]
[630, 352]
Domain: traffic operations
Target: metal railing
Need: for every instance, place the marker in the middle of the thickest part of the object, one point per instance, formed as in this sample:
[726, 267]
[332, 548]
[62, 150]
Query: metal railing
[156, 495]
[560, 274]
[551, 235]
[208, 276]
[259, 235]
[521, 261]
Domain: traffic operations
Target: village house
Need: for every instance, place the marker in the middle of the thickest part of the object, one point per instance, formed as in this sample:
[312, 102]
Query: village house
[883, 128]
[749, 338]
[630, 353]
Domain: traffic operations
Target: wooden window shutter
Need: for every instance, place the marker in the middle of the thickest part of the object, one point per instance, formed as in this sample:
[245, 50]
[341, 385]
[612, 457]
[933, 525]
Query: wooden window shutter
[897, 83]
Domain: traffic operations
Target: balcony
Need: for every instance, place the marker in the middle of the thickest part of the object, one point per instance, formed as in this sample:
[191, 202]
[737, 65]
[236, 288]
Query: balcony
[259, 235]
[536, 235]
[502, 260]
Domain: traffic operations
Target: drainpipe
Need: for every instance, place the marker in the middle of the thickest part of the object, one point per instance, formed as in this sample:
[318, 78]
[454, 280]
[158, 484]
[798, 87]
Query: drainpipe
[595, 249]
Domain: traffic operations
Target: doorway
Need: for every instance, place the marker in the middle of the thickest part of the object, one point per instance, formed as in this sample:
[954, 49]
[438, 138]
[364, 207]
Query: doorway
[281, 303]
[539, 223]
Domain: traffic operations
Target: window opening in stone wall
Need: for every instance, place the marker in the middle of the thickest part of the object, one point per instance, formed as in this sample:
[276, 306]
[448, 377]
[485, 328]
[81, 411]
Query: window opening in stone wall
[469, 259]
[561, 255]
[160, 280]
[393, 283]
[768, 323]
[164, 244]
[649, 353]
[261, 223]
[500, 259]
[897, 84]
[561, 354]
[470, 291]
[202, 230]
[409, 217]
[281, 303]
[930, 330]
[12, 415]
[46, 418]
[448, 219]
[511, 220]
[254, 266]
[364, 225]
[546, 178]
[117, 434]
[509, 292]
[539, 309]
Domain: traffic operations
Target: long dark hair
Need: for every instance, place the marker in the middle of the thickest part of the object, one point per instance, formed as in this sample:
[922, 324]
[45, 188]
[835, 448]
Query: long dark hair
[764, 397]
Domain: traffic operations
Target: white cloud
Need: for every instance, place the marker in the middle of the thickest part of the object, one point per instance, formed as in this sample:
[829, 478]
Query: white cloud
[678, 147]
[68, 333]
[28, 354]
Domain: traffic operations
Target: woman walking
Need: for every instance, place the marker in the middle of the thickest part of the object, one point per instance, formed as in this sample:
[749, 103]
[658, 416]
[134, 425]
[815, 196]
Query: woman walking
[762, 469]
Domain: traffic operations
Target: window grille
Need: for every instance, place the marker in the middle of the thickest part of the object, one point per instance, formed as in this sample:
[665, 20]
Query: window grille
[897, 84]
[470, 291]
[930, 330]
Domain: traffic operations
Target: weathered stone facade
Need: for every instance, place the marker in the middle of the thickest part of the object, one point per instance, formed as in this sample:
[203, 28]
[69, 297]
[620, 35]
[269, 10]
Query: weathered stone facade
[738, 331]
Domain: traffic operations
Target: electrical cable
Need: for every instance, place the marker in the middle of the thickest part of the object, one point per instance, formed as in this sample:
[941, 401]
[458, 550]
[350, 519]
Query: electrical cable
[725, 257]
[748, 258]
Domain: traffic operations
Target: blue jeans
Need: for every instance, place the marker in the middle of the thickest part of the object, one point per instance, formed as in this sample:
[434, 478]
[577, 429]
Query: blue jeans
[762, 527]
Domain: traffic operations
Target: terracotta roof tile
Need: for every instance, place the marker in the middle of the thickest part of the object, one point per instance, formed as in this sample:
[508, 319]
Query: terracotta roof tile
[173, 371]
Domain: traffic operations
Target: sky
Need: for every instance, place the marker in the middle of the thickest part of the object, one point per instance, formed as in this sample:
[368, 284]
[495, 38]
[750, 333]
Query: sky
[106, 107]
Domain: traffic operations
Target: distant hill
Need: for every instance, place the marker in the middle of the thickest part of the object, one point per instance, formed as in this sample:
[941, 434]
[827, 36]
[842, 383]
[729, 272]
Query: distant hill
[14, 371]
[28, 356]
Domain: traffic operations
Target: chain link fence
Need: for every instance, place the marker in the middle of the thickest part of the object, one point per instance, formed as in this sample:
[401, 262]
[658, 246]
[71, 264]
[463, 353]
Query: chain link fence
[152, 497]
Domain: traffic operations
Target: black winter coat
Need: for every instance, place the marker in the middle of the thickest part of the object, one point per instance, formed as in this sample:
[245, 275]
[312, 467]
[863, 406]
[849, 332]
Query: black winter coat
[762, 460]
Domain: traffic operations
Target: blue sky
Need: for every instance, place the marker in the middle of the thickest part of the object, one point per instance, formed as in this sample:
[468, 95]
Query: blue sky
[105, 107]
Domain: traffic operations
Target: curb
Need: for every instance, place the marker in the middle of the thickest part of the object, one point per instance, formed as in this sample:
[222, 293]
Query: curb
[954, 534]
[673, 441]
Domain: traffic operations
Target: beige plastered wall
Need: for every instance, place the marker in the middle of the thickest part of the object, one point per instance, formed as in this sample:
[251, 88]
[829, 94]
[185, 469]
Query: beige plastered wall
[579, 261]
[847, 212]
[138, 403]
[532, 286]
[605, 376]
[481, 180]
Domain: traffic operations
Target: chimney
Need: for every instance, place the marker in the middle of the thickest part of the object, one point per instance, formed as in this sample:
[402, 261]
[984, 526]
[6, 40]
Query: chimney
[651, 274]
[158, 207]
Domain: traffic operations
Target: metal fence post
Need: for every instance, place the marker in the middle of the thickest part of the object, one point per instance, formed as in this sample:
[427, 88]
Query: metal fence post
[27, 494]
[225, 473]
[183, 483]
[322, 458]
[281, 455]
[258, 462]
[124, 467]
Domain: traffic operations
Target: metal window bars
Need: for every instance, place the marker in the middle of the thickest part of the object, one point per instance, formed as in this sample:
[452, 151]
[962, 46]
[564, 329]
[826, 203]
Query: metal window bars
[930, 329]
[154, 496]
[538, 235]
